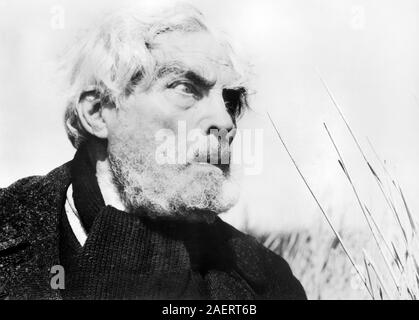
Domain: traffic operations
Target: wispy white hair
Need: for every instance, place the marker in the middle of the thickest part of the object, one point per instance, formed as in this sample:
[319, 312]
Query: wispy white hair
[116, 56]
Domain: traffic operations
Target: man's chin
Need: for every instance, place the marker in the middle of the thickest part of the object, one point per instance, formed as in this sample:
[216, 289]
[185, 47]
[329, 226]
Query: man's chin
[224, 169]
[193, 192]
[188, 206]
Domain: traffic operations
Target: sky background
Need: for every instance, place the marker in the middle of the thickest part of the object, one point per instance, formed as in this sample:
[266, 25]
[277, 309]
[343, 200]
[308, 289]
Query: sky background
[366, 50]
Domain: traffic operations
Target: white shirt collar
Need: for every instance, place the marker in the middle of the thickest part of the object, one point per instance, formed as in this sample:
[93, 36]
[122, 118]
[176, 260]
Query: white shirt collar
[74, 218]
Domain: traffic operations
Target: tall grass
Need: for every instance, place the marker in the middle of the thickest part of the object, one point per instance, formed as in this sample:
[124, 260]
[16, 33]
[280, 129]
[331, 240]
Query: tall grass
[318, 261]
[394, 272]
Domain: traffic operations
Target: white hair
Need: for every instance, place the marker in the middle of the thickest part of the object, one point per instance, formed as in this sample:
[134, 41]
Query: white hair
[116, 56]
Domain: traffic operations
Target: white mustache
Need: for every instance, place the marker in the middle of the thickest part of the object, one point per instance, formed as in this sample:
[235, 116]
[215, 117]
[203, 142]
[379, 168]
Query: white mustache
[209, 149]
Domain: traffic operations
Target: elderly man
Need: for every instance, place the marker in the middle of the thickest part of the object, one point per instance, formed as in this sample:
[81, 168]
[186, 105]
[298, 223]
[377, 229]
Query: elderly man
[125, 219]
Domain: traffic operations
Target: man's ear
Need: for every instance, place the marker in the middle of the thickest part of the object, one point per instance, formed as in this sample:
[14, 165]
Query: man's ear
[89, 110]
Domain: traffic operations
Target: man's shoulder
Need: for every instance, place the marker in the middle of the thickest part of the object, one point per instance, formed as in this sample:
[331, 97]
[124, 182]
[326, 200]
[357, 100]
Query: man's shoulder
[265, 270]
[29, 188]
[18, 189]
[248, 246]
[14, 200]
[30, 195]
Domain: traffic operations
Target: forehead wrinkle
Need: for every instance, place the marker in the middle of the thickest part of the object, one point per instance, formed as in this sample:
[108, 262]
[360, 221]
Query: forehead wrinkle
[208, 56]
[177, 68]
[171, 68]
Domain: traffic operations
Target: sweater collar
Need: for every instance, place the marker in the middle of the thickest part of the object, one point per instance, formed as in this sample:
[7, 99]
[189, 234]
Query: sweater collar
[87, 196]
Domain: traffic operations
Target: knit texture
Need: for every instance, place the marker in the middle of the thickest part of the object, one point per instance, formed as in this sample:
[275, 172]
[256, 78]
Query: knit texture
[126, 256]
[86, 192]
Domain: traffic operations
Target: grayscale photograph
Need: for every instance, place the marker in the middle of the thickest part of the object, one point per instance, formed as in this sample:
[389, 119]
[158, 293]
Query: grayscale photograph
[209, 150]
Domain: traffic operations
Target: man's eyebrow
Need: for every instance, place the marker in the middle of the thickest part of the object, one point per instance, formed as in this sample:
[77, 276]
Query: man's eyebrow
[187, 73]
[199, 80]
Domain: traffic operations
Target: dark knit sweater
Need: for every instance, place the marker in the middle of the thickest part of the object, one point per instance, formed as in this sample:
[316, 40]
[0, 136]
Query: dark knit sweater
[126, 256]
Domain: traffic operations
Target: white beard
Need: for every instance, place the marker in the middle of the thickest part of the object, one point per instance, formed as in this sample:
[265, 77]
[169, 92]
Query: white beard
[191, 191]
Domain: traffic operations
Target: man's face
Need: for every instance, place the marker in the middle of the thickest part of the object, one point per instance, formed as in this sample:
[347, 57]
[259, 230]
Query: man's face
[196, 89]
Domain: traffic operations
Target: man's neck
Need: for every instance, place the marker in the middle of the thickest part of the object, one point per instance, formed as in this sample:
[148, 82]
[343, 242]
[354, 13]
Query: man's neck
[98, 155]
[107, 187]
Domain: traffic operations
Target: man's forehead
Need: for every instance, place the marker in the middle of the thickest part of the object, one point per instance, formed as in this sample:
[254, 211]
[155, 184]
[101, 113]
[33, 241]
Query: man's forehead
[195, 53]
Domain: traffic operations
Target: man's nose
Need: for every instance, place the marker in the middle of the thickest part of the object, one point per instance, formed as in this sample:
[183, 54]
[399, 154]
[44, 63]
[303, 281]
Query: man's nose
[216, 115]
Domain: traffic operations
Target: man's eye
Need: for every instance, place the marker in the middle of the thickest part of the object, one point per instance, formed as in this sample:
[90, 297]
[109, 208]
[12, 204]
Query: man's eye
[184, 88]
[183, 94]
